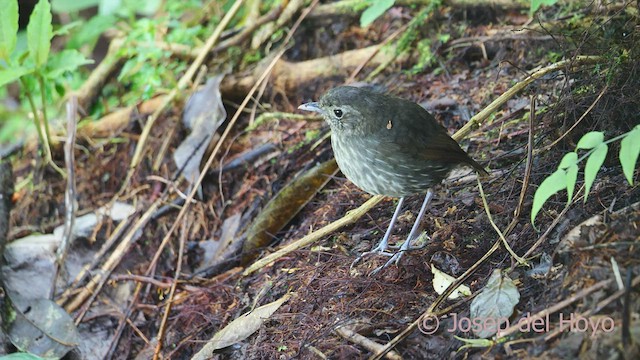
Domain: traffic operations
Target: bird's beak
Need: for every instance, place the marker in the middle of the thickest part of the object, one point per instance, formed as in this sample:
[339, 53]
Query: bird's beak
[311, 106]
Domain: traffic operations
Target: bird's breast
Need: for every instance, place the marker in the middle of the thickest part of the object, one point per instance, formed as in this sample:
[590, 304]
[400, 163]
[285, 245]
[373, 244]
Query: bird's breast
[377, 171]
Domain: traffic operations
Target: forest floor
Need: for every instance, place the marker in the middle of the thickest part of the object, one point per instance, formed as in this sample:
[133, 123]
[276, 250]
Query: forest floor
[319, 305]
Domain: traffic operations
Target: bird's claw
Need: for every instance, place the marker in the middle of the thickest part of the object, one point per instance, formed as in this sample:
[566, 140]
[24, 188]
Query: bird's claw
[394, 259]
[378, 250]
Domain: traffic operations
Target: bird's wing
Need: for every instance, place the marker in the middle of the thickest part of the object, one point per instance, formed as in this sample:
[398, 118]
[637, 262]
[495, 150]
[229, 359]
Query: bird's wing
[422, 138]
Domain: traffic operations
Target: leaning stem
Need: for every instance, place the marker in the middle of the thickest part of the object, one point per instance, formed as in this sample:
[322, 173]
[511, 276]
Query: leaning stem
[36, 118]
[47, 132]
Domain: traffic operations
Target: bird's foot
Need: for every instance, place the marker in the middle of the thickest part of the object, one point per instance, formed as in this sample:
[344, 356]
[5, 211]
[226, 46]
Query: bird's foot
[381, 249]
[422, 240]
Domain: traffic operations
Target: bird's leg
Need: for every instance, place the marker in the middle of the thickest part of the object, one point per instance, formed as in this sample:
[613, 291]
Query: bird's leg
[382, 247]
[414, 230]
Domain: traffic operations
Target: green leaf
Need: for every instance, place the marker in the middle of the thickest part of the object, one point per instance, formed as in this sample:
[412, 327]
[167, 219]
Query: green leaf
[66, 60]
[572, 178]
[590, 140]
[549, 187]
[629, 151]
[8, 28]
[64, 29]
[13, 74]
[535, 4]
[568, 160]
[39, 33]
[374, 11]
[594, 163]
[87, 34]
[569, 163]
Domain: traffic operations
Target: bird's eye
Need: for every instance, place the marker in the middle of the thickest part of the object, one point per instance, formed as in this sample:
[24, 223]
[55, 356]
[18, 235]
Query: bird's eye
[338, 113]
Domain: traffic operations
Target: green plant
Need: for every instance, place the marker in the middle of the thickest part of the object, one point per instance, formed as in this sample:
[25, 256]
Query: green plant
[374, 11]
[535, 4]
[37, 70]
[566, 176]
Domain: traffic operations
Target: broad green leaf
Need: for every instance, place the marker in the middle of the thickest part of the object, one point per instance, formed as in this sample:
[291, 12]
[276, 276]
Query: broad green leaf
[590, 140]
[568, 160]
[569, 163]
[66, 60]
[39, 33]
[594, 163]
[549, 187]
[629, 151]
[572, 178]
[8, 28]
[13, 74]
[374, 11]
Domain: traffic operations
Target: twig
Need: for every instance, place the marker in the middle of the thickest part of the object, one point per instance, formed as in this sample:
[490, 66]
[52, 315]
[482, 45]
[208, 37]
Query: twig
[364, 342]
[172, 292]
[350, 218]
[527, 169]
[70, 204]
[496, 228]
[124, 319]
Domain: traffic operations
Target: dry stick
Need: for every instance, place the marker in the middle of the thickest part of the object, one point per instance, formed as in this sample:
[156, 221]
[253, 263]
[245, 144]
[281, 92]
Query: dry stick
[174, 285]
[365, 342]
[527, 167]
[209, 162]
[70, 204]
[496, 228]
[523, 190]
[124, 319]
[182, 84]
[350, 218]
[474, 123]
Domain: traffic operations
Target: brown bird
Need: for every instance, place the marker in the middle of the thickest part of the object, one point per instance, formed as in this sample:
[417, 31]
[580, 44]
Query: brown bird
[389, 146]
